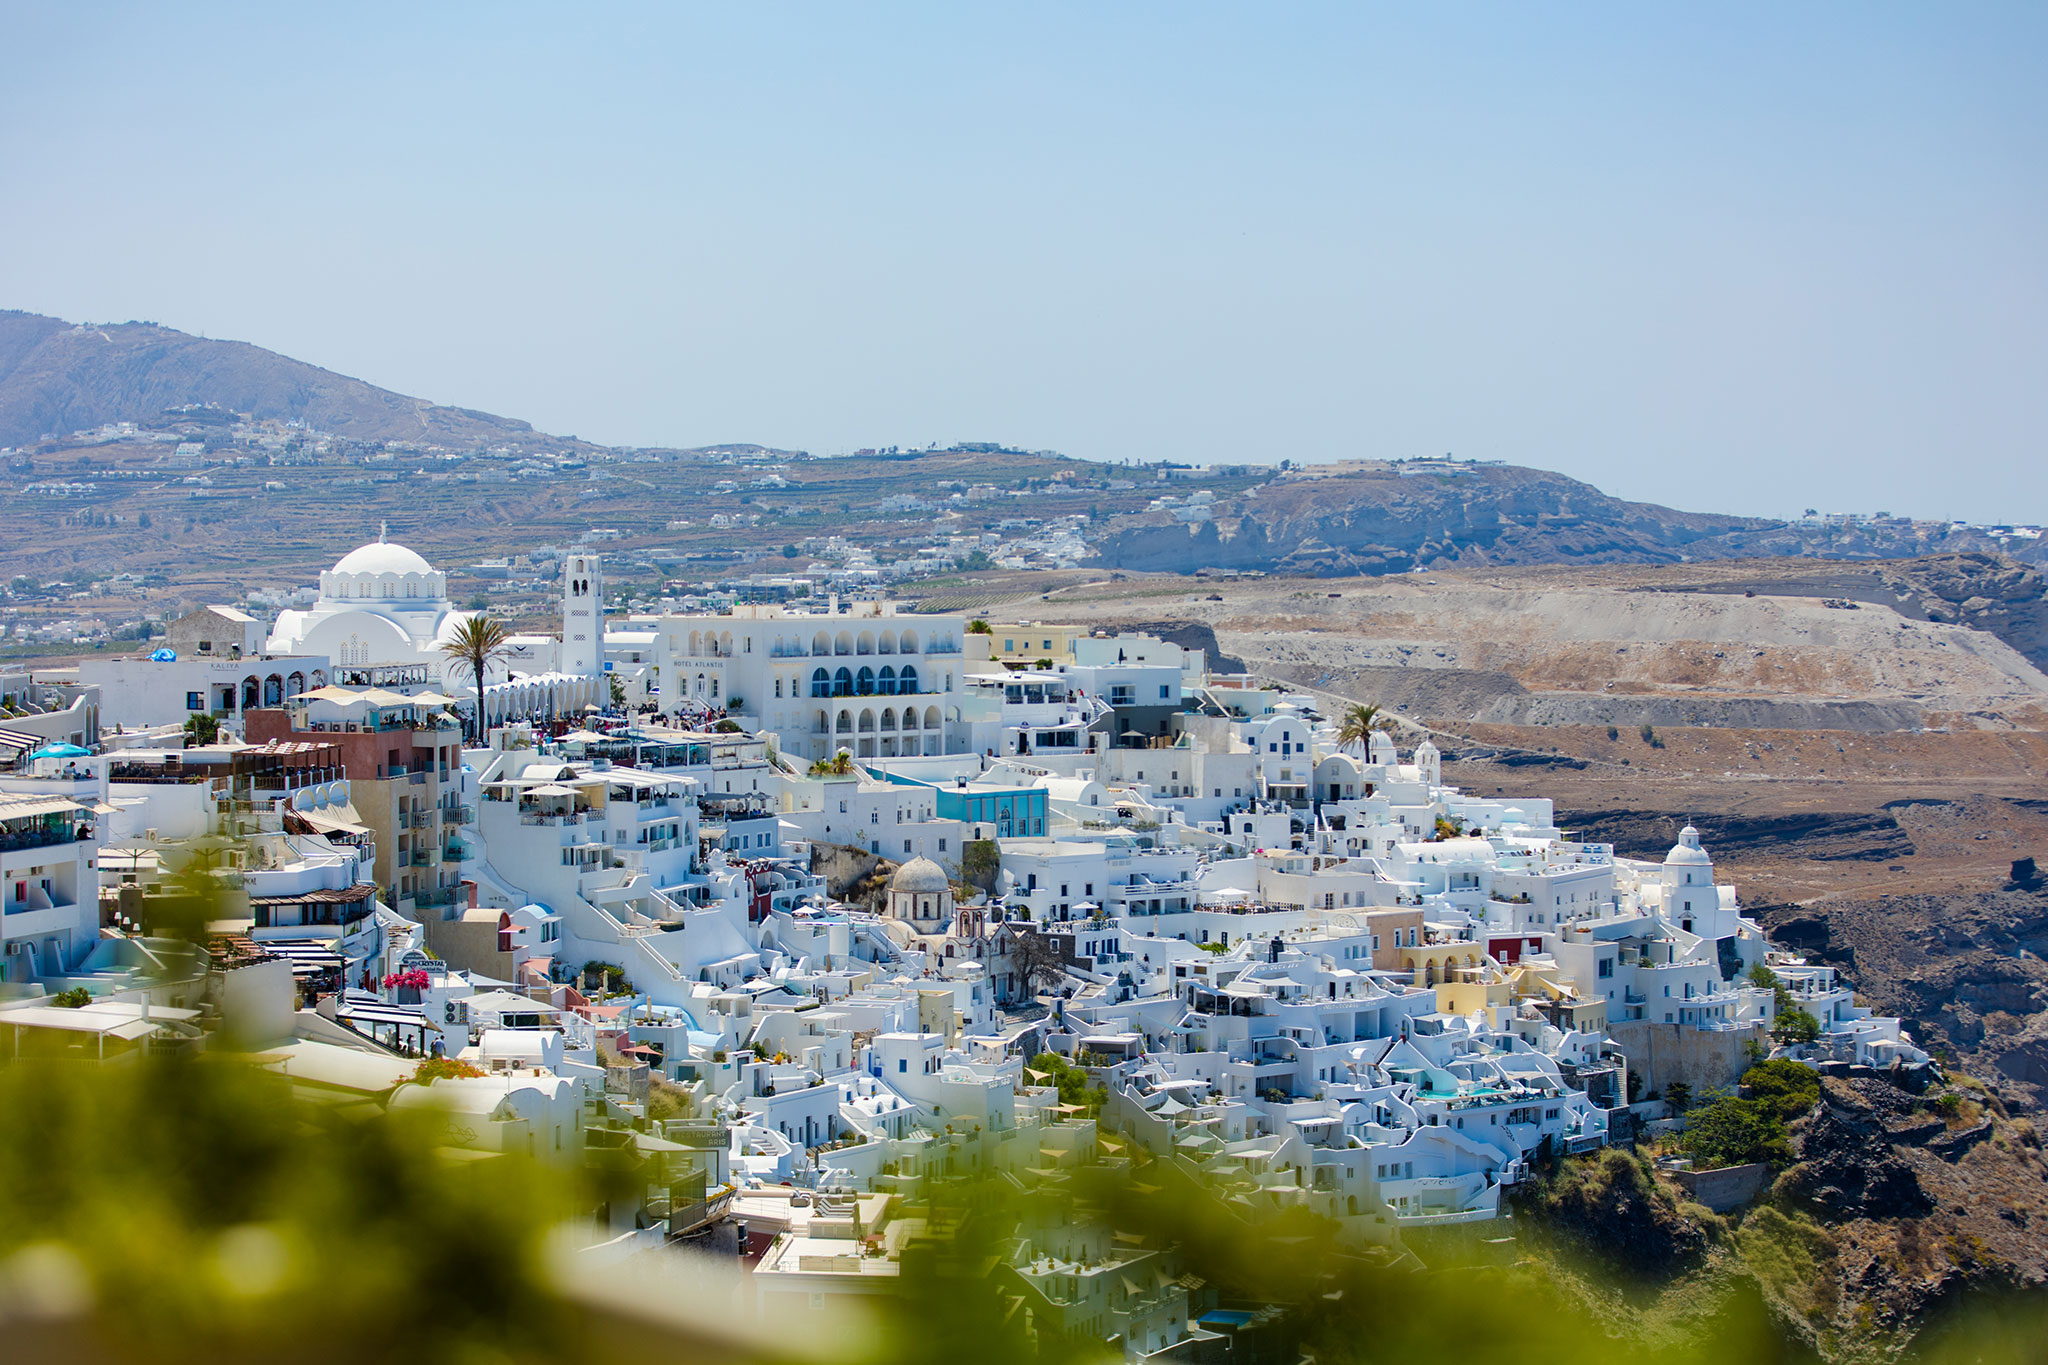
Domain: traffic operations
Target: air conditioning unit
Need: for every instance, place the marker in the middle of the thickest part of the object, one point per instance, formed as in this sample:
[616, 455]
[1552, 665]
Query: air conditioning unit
[149, 835]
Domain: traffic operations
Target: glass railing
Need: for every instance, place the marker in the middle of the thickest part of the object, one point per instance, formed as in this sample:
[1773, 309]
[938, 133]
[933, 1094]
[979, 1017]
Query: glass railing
[14, 840]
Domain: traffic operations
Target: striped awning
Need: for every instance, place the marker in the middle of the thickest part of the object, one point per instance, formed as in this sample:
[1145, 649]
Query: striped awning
[379, 1012]
[20, 739]
[307, 956]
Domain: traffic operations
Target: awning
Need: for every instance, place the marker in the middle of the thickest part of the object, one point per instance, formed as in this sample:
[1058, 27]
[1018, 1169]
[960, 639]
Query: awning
[35, 805]
[381, 1013]
[307, 958]
[328, 824]
[343, 696]
[345, 895]
[19, 739]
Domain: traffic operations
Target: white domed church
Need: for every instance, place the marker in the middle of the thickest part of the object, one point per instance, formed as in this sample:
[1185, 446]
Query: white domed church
[383, 614]
[382, 604]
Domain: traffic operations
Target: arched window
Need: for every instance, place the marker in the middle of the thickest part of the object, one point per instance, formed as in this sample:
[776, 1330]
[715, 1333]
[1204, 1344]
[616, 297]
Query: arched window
[821, 683]
[845, 721]
[842, 683]
[886, 680]
[888, 718]
[864, 681]
[906, 681]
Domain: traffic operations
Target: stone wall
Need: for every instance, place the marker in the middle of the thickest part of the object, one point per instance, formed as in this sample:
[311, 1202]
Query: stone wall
[1707, 1060]
[1728, 1188]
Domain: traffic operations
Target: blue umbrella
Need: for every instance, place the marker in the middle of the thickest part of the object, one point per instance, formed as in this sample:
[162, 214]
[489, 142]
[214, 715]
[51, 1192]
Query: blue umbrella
[60, 751]
[163, 655]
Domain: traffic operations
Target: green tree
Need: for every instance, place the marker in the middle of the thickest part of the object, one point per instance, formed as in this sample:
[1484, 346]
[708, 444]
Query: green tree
[1796, 1025]
[1360, 721]
[201, 728]
[1071, 1081]
[978, 627]
[1730, 1131]
[839, 765]
[476, 644]
[1791, 1088]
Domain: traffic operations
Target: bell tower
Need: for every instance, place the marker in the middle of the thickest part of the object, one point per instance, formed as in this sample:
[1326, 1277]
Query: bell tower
[582, 617]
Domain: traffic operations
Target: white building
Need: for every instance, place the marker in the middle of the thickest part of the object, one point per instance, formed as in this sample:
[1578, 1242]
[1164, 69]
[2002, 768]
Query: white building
[49, 883]
[858, 677]
[380, 604]
[383, 615]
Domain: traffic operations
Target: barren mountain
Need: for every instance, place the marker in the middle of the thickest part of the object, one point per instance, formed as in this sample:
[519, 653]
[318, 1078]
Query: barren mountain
[57, 378]
[1377, 517]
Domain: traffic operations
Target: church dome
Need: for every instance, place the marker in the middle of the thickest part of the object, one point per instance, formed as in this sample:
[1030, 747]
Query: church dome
[382, 557]
[920, 876]
[1687, 851]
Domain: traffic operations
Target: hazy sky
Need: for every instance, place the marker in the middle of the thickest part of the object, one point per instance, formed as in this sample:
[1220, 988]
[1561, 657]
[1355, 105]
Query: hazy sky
[1733, 258]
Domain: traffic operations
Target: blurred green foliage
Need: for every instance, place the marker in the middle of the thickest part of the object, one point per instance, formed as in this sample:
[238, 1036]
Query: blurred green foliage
[204, 1210]
[200, 1211]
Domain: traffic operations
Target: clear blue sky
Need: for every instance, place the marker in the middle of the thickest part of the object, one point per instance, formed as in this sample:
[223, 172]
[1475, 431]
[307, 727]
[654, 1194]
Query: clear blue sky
[1732, 257]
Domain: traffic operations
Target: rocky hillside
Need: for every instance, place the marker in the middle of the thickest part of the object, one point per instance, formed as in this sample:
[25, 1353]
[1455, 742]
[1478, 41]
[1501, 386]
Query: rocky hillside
[1964, 969]
[1888, 1213]
[1917, 1200]
[1989, 592]
[1387, 518]
[56, 378]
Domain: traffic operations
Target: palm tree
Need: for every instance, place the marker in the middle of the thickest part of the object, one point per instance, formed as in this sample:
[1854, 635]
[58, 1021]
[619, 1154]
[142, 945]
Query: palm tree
[478, 642]
[1359, 723]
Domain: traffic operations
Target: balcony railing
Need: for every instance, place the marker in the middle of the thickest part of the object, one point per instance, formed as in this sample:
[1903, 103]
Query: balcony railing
[919, 689]
[13, 840]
